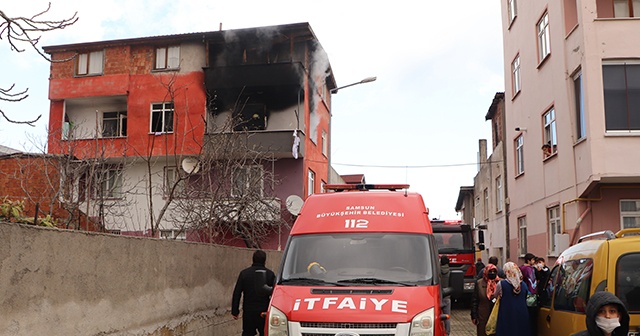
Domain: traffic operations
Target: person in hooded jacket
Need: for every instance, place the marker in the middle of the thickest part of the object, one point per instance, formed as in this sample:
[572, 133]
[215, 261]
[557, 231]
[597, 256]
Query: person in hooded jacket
[255, 299]
[606, 315]
[445, 272]
[481, 301]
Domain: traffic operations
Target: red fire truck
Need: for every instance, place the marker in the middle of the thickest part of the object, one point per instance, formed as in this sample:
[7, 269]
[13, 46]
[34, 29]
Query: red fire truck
[359, 261]
[455, 239]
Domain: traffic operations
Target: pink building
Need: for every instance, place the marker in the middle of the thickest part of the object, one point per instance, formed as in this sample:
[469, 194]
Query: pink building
[572, 104]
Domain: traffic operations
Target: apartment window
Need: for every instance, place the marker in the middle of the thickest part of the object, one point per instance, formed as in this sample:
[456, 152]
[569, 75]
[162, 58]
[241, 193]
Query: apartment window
[499, 195]
[550, 141]
[555, 227]
[581, 127]
[515, 75]
[311, 178]
[325, 144]
[621, 96]
[519, 146]
[162, 117]
[626, 8]
[544, 45]
[322, 188]
[167, 58]
[110, 184]
[248, 181]
[171, 177]
[630, 213]
[522, 235]
[513, 10]
[90, 63]
[114, 124]
[486, 204]
[173, 234]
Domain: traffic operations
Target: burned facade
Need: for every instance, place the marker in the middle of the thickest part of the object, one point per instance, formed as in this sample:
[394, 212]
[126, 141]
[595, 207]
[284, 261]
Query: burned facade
[148, 111]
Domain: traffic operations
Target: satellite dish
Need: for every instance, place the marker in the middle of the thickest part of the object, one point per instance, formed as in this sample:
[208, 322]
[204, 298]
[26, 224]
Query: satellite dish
[190, 165]
[294, 204]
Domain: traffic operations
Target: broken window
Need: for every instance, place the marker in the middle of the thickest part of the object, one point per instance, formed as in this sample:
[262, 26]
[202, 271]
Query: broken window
[251, 117]
[114, 124]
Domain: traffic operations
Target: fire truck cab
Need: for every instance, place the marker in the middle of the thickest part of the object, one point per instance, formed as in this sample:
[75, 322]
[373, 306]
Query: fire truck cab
[361, 260]
[455, 240]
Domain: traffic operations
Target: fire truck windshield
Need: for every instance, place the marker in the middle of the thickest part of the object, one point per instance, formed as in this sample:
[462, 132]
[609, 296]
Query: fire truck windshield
[454, 242]
[359, 259]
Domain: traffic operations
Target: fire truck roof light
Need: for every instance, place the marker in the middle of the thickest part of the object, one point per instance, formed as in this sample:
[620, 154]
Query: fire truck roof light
[365, 187]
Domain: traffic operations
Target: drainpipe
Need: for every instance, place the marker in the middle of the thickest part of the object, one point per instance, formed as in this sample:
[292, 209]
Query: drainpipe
[578, 222]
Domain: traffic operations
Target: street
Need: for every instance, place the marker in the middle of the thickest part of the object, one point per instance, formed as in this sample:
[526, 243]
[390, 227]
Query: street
[461, 324]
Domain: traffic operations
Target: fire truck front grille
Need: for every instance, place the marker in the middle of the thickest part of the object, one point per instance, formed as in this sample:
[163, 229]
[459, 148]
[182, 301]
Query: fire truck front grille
[333, 334]
[335, 328]
[347, 325]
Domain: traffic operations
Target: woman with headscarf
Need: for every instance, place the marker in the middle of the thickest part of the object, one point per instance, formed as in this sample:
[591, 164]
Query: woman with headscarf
[606, 315]
[513, 316]
[482, 300]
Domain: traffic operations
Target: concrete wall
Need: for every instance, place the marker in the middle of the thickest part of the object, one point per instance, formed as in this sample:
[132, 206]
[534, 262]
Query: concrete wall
[57, 282]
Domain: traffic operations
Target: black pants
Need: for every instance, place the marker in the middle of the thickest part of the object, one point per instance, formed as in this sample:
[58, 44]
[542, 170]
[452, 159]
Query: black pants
[533, 320]
[252, 321]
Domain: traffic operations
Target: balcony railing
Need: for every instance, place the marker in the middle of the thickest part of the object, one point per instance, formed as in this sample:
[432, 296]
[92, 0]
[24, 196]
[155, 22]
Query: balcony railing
[274, 144]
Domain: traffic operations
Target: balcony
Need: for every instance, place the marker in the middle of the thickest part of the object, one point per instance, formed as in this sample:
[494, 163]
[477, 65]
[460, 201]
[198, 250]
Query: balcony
[272, 144]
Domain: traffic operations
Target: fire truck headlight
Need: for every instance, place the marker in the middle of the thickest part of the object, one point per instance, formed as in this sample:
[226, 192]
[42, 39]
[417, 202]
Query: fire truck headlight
[277, 324]
[422, 324]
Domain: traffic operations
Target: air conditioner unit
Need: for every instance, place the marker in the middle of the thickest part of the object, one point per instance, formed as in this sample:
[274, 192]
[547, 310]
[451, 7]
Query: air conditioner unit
[562, 243]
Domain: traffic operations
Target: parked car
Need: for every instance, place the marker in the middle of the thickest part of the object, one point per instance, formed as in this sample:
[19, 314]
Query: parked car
[601, 261]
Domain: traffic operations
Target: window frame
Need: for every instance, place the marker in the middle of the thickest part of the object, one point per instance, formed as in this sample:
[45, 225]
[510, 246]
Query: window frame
[165, 62]
[522, 235]
[325, 144]
[103, 188]
[544, 42]
[512, 9]
[253, 181]
[515, 75]
[85, 61]
[121, 124]
[174, 234]
[554, 226]
[519, 154]
[499, 196]
[611, 92]
[485, 204]
[550, 135]
[631, 12]
[164, 111]
[578, 89]
[311, 185]
[627, 214]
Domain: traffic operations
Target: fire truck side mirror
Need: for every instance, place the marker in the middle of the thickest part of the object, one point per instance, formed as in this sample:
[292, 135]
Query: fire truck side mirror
[481, 240]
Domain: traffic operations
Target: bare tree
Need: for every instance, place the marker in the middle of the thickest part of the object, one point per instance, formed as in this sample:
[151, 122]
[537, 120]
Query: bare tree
[229, 193]
[27, 31]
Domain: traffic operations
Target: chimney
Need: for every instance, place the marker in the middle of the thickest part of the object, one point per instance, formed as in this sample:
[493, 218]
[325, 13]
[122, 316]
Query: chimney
[483, 150]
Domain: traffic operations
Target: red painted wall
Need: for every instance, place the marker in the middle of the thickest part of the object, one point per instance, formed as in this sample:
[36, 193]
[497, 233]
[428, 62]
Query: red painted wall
[127, 73]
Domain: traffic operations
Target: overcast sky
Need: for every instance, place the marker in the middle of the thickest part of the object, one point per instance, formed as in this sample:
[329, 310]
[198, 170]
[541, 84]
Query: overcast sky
[438, 64]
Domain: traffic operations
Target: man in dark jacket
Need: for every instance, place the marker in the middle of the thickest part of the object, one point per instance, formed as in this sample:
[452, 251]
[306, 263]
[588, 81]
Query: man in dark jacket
[606, 315]
[493, 260]
[256, 298]
[445, 274]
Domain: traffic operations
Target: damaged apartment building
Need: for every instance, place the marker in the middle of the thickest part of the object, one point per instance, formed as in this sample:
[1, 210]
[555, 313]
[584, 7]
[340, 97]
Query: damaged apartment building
[212, 137]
